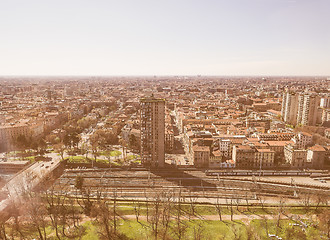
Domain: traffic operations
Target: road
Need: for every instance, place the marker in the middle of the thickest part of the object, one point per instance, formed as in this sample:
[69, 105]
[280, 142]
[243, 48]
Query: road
[26, 180]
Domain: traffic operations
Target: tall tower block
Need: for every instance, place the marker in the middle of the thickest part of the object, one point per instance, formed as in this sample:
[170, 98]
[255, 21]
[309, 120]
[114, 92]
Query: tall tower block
[153, 131]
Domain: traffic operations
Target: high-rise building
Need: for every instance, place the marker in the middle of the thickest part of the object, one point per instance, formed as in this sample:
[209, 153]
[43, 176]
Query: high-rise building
[310, 110]
[301, 108]
[290, 107]
[153, 131]
[325, 102]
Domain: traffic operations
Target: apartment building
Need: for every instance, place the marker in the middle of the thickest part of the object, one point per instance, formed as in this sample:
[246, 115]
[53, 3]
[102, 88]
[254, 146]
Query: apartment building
[243, 156]
[296, 158]
[153, 131]
[290, 107]
[301, 108]
[264, 158]
[316, 156]
[201, 155]
[310, 110]
[302, 140]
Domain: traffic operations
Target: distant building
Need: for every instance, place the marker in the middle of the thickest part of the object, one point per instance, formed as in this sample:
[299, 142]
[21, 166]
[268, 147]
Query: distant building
[243, 156]
[153, 131]
[327, 133]
[325, 102]
[296, 158]
[302, 140]
[224, 147]
[264, 158]
[169, 140]
[290, 107]
[301, 108]
[278, 148]
[315, 156]
[310, 110]
[201, 156]
[10, 132]
[325, 115]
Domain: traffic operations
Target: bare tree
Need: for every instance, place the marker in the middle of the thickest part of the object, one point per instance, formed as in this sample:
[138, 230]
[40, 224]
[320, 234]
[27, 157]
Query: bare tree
[60, 149]
[231, 210]
[324, 223]
[103, 217]
[179, 227]
[192, 204]
[53, 210]
[146, 197]
[166, 212]
[3, 231]
[86, 203]
[37, 213]
[155, 215]
[247, 202]
[199, 231]
[306, 201]
[218, 208]
[137, 205]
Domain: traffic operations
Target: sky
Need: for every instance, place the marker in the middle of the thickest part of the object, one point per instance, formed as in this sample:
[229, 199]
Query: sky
[165, 37]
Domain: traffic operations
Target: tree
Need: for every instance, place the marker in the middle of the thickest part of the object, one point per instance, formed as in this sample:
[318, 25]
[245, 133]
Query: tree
[133, 142]
[37, 213]
[22, 142]
[52, 138]
[54, 204]
[42, 146]
[108, 155]
[192, 201]
[95, 143]
[218, 208]
[79, 182]
[155, 215]
[86, 203]
[60, 149]
[179, 227]
[324, 222]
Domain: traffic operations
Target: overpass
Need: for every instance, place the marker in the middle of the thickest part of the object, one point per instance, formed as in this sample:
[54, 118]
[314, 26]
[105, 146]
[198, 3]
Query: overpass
[24, 182]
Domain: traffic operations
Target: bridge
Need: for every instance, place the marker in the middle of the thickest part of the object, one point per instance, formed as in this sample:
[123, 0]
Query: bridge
[25, 181]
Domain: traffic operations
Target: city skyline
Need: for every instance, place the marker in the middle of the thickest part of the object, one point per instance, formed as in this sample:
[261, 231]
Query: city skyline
[165, 38]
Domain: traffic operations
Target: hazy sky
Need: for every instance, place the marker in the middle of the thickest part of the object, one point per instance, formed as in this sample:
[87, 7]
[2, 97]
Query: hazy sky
[164, 37]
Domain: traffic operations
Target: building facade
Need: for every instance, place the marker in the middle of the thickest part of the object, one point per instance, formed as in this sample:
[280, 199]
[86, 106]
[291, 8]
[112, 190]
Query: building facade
[310, 110]
[153, 131]
[296, 158]
[301, 108]
[290, 107]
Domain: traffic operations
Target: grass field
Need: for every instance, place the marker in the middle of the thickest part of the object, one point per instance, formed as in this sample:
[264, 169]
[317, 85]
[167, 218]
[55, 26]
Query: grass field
[200, 229]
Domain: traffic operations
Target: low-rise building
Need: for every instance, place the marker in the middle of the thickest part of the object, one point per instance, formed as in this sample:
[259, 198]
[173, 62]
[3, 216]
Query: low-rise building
[295, 157]
[201, 155]
[264, 158]
[302, 140]
[224, 147]
[169, 140]
[243, 156]
[315, 156]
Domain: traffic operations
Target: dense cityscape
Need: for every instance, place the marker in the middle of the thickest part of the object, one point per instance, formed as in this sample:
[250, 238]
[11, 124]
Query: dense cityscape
[164, 155]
